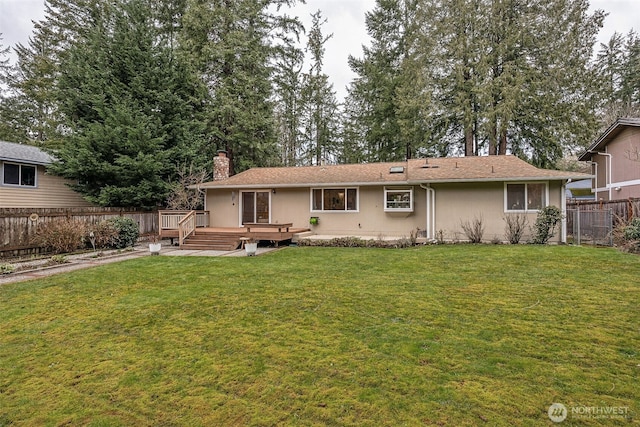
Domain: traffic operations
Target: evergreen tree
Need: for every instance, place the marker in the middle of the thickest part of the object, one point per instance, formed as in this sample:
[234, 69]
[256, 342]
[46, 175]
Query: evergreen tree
[379, 74]
[32, 84]
[353, 132]
[319, 104]
[34, 114]
[618, 62]
[130, 107]
[514, 76]
[287, 84]
[231, 41]
[631, 75]
[477, 77]
[8, 128]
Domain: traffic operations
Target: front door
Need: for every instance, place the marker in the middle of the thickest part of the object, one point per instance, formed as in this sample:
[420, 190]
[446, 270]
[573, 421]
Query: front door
[255, 207]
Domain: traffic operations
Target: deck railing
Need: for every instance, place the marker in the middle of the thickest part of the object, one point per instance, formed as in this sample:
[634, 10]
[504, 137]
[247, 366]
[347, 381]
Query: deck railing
[169, 220]
[186, 227]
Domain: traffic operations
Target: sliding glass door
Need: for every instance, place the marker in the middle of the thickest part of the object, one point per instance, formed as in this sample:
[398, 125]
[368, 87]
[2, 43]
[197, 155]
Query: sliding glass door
[255, 207]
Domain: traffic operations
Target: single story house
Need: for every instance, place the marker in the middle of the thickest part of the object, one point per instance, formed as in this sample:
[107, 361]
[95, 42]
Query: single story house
[24, 182]
[435, 195]
[615, 161]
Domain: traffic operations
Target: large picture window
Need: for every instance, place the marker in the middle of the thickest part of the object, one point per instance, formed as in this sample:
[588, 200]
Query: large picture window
[21, 175]
[526, 196]
[398, 200]
[334, 199]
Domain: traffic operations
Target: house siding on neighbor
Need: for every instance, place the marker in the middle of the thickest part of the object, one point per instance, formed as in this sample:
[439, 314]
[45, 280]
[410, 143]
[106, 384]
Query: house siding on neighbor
[390, 199]
[40, 191]
[615, 161]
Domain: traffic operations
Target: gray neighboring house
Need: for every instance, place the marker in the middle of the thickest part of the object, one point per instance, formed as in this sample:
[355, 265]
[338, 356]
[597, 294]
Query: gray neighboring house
[25, 183]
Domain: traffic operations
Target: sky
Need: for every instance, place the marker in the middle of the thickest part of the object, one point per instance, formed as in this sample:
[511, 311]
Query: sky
[345, 21]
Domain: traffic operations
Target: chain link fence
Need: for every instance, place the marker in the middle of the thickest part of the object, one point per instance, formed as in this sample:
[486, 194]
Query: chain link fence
[590, 226]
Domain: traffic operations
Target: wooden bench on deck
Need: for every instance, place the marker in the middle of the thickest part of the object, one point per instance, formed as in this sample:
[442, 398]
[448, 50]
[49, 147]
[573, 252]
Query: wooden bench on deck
[263, 231]
[280, 227]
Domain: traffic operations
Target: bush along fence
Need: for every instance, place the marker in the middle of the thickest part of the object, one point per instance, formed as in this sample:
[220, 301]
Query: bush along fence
[19, 226]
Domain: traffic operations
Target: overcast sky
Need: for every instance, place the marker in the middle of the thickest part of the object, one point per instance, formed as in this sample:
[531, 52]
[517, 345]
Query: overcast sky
[345, 22]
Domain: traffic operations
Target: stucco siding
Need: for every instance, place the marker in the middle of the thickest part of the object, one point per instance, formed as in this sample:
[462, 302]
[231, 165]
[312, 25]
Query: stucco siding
[50, 192]
[223, 208]
[463, 203]
[294, 205]
[371, 218]
[454, 204]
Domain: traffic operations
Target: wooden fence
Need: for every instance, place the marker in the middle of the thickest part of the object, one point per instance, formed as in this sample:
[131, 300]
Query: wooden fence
[622, 210]
[18, 225]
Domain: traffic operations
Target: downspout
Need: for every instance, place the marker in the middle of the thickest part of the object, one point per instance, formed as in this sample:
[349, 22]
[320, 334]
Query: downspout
[563, 205]
[204, 207]
[431, 210]
[595, 173]
[608, 171]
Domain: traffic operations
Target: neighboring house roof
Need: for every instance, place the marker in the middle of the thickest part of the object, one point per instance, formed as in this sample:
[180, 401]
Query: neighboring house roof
[608, 135]
[20, 153]
[580, 190]
[411, 172]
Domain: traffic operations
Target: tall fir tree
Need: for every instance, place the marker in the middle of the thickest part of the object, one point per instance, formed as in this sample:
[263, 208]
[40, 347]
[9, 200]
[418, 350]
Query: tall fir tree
[319, 104]
[618, 64]
[288, 63]
[489, 77]
[34, 113]
[131, 110]
[231, 41]
[8, 126]
[379, 74]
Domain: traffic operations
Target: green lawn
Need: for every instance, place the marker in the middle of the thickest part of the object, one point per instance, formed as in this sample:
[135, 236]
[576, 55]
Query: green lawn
[443, 335]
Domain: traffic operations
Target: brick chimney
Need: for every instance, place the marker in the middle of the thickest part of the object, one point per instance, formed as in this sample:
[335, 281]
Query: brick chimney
[221, 166]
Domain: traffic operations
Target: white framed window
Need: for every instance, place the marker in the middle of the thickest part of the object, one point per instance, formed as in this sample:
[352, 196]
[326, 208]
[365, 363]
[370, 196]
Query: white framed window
[525, 196]
[398, 199]
[334, 199]
[19, 175]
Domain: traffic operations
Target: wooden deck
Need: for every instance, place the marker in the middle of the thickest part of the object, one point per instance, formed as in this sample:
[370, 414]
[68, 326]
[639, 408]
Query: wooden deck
[190, 228]
[229, 238]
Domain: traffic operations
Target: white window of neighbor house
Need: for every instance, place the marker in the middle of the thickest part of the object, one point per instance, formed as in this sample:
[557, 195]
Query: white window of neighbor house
[398, 199]
[334, 199]
[20, 175]
[526, 196]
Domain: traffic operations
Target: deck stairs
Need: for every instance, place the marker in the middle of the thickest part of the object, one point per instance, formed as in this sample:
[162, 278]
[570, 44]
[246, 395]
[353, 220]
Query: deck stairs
[213, 241]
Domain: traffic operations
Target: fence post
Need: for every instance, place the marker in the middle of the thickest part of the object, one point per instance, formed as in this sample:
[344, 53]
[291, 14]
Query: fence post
[576, 222]
[611, 227]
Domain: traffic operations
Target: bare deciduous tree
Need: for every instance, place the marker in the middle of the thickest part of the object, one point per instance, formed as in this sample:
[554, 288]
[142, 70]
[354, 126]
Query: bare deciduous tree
[185, 194]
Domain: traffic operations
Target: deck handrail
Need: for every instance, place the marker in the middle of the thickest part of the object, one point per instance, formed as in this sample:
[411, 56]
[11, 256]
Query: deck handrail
[186, 227]
[169, 220]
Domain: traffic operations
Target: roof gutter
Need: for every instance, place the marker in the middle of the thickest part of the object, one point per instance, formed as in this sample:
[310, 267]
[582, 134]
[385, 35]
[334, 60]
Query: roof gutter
[378, 183]
[24, 161]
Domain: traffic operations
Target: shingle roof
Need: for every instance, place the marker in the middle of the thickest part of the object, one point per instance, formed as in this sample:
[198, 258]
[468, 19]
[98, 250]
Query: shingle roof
[21, 153]
[609, 134]
[415, 171]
